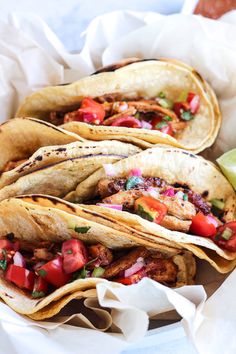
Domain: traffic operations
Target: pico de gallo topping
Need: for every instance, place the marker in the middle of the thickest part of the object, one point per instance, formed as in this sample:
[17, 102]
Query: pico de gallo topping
[158, 113]
[42, 268]
[175, 207]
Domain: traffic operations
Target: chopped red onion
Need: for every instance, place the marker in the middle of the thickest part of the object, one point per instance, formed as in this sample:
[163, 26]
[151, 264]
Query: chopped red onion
[212, 220]
[19, 260]
[180, 195]
[152, 192]
[170, 192]
[111, 206]
[135, 172]
[145, 124]
[38, 265]
[109, 169]
[134, 268]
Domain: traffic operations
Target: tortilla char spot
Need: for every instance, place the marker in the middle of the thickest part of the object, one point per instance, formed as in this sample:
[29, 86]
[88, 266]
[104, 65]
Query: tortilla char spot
[181, 185]
[11, 297]
[115, 66]
[10, 236]
[60, 149]
[205, 194]
[198, 75]
[188, 154]
[39, 158]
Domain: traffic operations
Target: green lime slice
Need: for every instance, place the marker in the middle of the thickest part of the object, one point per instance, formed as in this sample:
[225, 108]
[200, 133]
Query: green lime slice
[227, 163]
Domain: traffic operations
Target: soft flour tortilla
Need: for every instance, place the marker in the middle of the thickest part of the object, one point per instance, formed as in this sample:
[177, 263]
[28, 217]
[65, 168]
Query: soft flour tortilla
[145, 78]
[49, 155]
[174, 166]
[33, 222]
[58, 178]
[20, 138]
[136, 227]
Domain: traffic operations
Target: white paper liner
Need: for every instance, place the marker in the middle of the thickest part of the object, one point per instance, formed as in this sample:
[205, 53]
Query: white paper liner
[31, 56]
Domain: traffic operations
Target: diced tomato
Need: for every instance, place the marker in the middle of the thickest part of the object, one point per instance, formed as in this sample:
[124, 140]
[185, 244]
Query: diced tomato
[166, 128]
[151, 209]
[226, 236]
[179, 107]
[202, 226]
[90, 112]
[194, 102]
[127, 121]
[133, 279]
[40, 287]
[20, 276]
[74, 255]
[6, 245]
[53, 272]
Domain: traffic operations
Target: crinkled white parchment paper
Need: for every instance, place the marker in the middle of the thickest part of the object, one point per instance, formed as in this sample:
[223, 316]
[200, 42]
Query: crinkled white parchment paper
[31, 56]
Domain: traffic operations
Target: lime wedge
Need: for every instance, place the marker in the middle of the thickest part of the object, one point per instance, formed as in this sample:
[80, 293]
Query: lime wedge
[227, 163]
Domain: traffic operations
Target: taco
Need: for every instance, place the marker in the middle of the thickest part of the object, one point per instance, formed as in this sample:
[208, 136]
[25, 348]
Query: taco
[144, 102]
[50, 256]
[20, 138]
[173, 194]
[56, 170]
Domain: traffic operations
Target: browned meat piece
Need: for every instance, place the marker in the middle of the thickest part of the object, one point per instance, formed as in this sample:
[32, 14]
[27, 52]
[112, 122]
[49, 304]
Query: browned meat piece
[172, 223]
[13, 164]
[43, 254]
[126, 198]
[103, 254]
[176, 126]
[180, 208]
[199, 202]
[108, 186]
[145, 106]
[56, 118]
[125, 262]
[161, 270]
[128, 112]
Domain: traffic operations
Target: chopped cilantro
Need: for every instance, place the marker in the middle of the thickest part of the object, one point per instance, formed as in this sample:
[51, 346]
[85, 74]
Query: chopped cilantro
[82, 229]
[185, 197]
[161, 125]
[186, 115]
[144, 214]
[3, 262]
[37, 294]
[69, 252]
[42, 272]
[162, 95]
[132, 181]
[98, 272]
[167, 118]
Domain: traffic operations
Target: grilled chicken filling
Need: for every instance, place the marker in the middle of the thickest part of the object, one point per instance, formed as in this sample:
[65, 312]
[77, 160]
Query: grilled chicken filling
[181, 203]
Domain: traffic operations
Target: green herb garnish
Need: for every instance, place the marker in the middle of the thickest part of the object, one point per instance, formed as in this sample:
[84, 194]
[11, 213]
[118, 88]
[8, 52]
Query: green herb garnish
[132, 181]
[37, 294]
[69, 252]
[165, 103]
[227, 233]
[167, 118]
[42, 273]
[98, 272]
[3, 262]
[186, 115]
[217, 203]
[185, 197]
[161, 125]
[162, 95]
[144, 214]
[82, 229]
